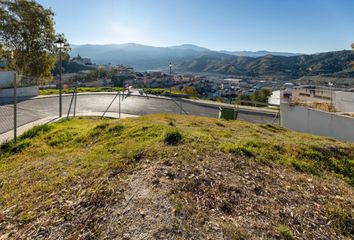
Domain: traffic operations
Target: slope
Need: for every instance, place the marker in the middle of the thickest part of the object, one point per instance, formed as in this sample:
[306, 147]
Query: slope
[175, 177]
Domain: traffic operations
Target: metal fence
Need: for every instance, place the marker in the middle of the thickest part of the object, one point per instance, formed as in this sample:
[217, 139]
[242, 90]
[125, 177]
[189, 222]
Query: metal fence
[19, 113]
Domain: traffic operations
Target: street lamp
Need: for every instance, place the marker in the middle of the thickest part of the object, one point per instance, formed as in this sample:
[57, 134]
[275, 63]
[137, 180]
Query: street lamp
[170, 65]
[60, 44]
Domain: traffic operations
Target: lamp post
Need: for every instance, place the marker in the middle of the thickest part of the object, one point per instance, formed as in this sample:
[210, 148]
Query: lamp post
[330, 84]
[60, 44]
[14, 99]
[170, 66]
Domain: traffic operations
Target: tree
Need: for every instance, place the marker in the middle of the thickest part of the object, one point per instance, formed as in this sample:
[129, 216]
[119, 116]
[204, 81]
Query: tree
[261, 95]
[27, 30]
[190, 91]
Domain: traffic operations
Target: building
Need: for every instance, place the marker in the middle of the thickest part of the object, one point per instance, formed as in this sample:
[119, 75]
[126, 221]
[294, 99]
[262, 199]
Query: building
[274, 99]
[83, 61]
[341, 99]
[309, 93]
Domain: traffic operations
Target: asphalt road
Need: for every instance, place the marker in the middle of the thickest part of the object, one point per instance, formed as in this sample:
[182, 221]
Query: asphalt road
[33, 109]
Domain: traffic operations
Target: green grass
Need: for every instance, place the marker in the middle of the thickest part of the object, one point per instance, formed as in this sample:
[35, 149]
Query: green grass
[284, 232]
[89, 158]
[50, 91]
[162, 91]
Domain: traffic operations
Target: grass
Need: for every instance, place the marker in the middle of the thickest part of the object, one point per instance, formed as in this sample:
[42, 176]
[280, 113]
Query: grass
[50, 91]
[284, 232]
[74, 169]
[163, 91]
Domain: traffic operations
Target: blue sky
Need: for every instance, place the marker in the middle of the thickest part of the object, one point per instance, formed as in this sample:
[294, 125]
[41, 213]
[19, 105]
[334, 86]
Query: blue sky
[304, 26]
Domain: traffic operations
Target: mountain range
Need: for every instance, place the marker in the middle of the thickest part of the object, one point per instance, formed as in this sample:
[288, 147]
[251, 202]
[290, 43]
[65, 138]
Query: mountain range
[192, 58]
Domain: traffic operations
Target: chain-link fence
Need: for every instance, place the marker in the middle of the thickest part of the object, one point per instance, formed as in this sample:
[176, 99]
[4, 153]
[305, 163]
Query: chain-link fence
[21, 112]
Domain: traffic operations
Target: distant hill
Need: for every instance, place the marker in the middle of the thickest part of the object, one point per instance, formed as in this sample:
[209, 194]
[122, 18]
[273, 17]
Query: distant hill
[260, 53]
[192, 58]
[141, 57]
[269, 66]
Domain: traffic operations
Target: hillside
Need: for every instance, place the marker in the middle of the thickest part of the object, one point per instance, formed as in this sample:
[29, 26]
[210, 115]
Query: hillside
[141, 57]
[281, 67]
[175, 177]
[191, 58]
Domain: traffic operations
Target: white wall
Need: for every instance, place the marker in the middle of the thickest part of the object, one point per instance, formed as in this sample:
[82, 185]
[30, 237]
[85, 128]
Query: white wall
[274, 98]
[20, 92]
[344, 101]
[6, 78]
[308, 120]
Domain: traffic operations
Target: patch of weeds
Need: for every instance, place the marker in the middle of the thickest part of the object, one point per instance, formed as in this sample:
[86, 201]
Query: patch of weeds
[26, 217]
[172, 137]
[303, 166]
[231, 232]
[285, 232]
[220, 124]
[59, 138]
[98, 130]
[254, 144]
[35, 131]
[312, 155]
[12, 147]
[116, 129]
[241, 150]
[273, 128]
[342, 219]
[171, 123]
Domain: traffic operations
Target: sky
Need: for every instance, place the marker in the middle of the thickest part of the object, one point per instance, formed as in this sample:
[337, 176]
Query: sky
[301, 26]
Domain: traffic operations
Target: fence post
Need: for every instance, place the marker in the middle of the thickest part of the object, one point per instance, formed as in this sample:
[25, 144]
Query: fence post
[119, 102]
[75, 91]
[15, 106]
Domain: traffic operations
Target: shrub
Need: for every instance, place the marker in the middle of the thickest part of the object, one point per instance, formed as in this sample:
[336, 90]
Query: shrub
[242, 150]
[172, 137]
[285, 232]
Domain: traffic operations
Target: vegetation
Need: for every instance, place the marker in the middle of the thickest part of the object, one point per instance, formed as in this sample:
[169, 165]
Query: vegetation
[50, 91]
[191, 91]
[27, 29]
[272, 67]
[175, 177]
[162, 91]
[260, 96]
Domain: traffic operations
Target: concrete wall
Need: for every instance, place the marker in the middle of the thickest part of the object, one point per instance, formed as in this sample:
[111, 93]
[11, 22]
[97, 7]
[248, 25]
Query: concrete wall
[344, 101]
[308, 120]
[6, 78]
[21, 92]
[274, 99]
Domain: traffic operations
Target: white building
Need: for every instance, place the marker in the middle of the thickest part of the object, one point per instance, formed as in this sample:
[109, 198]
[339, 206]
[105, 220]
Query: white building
[274, 99]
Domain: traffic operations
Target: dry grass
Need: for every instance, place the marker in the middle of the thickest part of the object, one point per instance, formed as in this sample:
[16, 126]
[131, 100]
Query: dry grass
[175, 177]
[327, 107]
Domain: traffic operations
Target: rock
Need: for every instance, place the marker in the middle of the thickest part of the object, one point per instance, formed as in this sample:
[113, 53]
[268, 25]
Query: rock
[126, 236]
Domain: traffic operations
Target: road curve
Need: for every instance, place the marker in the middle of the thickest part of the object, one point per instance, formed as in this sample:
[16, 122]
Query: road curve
[36, 108]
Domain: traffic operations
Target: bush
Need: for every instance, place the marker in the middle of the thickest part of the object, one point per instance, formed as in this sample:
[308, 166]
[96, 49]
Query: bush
[173, 137]
[285, 232]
